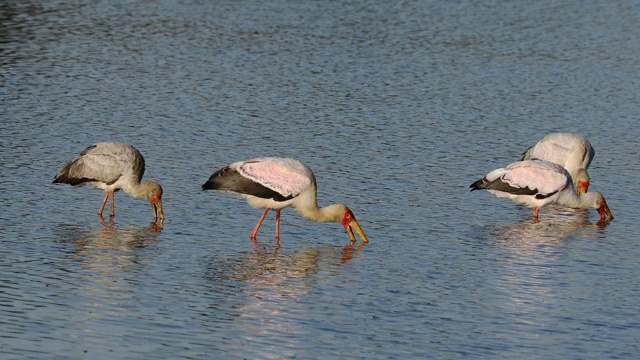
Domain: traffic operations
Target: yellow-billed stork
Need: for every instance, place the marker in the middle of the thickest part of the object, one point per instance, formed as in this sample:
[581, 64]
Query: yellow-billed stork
[538, 183]
[571, 151]
[276, 183]
[111, 167]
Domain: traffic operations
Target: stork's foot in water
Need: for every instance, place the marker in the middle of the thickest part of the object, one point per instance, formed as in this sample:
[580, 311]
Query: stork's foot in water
[603, 222]
[535, 215]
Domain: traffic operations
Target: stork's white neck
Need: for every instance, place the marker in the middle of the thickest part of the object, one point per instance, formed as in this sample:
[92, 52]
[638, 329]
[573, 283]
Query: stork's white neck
[585, 201]
[308, 207]
[142, 190]
[331, 213]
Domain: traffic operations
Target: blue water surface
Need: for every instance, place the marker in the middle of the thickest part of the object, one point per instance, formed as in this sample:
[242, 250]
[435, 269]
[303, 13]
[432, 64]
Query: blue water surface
[396, 106]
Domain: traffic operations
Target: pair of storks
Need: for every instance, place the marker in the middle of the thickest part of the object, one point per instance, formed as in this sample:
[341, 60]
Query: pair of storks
[268, 183]
[546, 174]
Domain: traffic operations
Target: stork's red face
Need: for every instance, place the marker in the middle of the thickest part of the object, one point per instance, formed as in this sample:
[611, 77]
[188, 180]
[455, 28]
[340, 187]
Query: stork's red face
[349, 223]
[582, 186]
[604, 210]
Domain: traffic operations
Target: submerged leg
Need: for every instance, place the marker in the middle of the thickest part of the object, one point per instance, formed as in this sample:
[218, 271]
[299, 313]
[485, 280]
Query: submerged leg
[255, 229]
[104, 202]
[113, 206]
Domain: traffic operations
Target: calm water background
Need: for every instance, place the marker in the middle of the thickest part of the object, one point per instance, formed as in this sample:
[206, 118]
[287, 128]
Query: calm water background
[396, 107]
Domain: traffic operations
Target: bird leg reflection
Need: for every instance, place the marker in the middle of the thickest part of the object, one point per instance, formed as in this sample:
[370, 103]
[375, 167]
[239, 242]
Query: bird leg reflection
[155, 226]
[107, 224]
[603, 222]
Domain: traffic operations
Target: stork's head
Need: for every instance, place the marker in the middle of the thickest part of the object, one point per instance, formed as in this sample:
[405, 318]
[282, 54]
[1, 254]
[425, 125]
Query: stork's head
[603, 208]
[153, 194]
[349, 223]
[582, 181]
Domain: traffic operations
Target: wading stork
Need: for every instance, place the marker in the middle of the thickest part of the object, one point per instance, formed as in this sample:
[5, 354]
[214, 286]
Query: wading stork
[276, 183]
[538, 183]
[573, 152]
[111, 167]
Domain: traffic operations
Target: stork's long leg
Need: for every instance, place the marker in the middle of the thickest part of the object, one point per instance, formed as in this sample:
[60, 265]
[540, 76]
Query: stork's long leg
[104, 202]
[113, 205]
[277, 225]
[535, 213]
[255, 229]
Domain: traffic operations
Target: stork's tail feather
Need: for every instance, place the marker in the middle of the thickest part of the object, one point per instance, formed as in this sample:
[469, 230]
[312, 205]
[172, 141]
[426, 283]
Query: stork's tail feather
[214, 181]
[69, 180]
[208, 186]
[63, 177]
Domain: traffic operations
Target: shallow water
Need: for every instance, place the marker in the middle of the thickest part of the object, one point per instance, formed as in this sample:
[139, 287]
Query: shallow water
[396, 107]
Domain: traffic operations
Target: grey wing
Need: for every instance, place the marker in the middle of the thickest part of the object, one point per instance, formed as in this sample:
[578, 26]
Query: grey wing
[500, 184]
[93, 164]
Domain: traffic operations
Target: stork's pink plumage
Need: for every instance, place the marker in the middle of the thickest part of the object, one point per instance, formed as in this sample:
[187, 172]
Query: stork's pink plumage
[573, 152]
[276, 183]
[538, 183]
[111, 167]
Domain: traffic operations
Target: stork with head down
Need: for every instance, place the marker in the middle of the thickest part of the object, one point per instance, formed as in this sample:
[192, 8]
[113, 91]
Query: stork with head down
[276, 183]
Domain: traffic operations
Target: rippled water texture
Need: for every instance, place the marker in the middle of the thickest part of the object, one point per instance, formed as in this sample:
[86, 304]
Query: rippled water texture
[396, 106]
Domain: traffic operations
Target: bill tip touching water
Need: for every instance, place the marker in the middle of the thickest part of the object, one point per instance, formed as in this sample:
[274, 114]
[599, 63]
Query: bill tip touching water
[111, 167]
[276, 183]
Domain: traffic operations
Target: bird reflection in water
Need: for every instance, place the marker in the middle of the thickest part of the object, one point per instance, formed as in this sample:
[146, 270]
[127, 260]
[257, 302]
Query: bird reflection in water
[533, 260]
[109, 247]
[268, 288]
[348, 252]
[104, 263]
[560, 223]
[266, 259]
